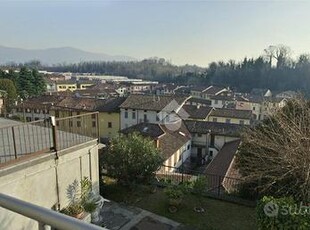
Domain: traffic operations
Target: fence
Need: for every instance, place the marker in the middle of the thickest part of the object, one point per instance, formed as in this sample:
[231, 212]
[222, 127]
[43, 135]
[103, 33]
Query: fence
[217, 186]
[43, 136]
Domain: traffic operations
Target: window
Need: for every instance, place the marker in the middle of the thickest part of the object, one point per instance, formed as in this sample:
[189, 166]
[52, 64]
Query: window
[70, 123]
[94, 123]
[109, 124]
[36, 118]
[133, 115]
[253, 109]
[56, 113]
[228, 121]
[126, 114]
[214, 119]
[211, 154]
[215, 102]
[78, 123]
[145, 117]
[57, 123]
[145, 111]
[199, 135]
[241, 122]
[93, 116]
[157, 115]
[188, 147]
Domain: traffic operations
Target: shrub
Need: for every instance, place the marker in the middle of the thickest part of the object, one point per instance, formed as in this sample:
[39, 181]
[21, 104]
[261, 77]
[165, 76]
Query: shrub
[282, 213]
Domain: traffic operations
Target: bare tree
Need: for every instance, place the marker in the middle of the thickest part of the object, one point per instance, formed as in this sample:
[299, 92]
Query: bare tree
[280, 53]
[275, 155]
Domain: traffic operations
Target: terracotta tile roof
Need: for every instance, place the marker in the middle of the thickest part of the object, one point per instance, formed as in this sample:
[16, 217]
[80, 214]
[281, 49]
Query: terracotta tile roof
[213, 90]
[153, 131]
[40, 102]
[169, 141]
[201, 101]
[232, 113]
[197, 112]
[152, 102]
[221, 162]
[203, 127]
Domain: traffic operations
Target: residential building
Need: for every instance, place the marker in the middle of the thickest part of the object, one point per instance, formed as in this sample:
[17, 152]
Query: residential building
[206, 92]
[209, 137]
[222, 101]
[197, 112]
[66, 85]
[150, 109]
[231, 116]
[175, 145]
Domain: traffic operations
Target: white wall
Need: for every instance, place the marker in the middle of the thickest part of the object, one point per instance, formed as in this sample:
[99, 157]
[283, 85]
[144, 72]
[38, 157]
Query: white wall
[127, 122]
[35, 181]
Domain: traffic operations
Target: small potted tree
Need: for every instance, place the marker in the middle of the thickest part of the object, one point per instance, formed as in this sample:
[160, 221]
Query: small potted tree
[80, 202]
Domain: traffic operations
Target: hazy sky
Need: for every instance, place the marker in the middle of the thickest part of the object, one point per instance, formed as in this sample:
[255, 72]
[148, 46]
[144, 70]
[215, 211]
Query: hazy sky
[194, 32]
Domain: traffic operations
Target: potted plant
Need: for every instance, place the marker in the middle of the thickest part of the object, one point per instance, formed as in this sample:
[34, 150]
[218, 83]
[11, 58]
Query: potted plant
[80, 199]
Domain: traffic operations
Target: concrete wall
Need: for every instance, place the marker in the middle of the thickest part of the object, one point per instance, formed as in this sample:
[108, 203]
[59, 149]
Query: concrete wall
[43, 180]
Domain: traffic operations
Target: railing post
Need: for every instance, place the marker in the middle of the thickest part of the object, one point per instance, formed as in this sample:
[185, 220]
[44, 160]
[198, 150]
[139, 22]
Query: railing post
[219, 187]
[54, 133]
[98, 127]
[14, 142]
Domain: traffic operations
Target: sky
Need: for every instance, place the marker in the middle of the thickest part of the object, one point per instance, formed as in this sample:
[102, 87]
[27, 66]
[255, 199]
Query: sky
[193, 32]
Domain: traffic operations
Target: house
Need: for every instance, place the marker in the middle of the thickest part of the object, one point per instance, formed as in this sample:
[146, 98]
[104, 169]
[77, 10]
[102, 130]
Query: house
[66, 85]
[150, 109]
[206, 92]
[166, 89]
[198, 102]
[109, 114]
[287, 94]
[61, 107]
[36, 108]
[109, 118]
[197, 112]
[82, 85]
[261, 107]
[175, 145]
[222, 101]
[233, 116]
[209, 137]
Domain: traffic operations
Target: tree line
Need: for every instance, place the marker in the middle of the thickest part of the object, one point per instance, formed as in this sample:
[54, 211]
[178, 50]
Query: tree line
[274, 69]
[21, 84]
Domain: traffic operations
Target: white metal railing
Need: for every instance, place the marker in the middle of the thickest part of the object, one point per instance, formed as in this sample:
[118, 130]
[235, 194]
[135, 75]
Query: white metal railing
[45, 217]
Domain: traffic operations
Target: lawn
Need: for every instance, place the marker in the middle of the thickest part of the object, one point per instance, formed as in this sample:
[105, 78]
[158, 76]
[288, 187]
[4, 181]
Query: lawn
[219, 215]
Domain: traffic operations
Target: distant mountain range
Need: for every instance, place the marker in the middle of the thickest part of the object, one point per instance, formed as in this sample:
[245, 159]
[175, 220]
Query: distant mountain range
[55, 55]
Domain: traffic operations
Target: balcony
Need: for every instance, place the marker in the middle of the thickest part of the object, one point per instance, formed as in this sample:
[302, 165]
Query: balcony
[38, 162]
[45, 218]
[22, 140]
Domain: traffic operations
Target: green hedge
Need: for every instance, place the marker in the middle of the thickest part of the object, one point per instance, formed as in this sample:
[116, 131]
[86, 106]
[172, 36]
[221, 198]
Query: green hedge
[282, 213]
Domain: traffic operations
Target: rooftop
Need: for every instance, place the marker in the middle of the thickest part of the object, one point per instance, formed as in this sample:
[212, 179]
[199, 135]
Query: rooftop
[205, 127]
[197, 112]
[231, 113]
[152, 102]
[221, 162]
[169, 141]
